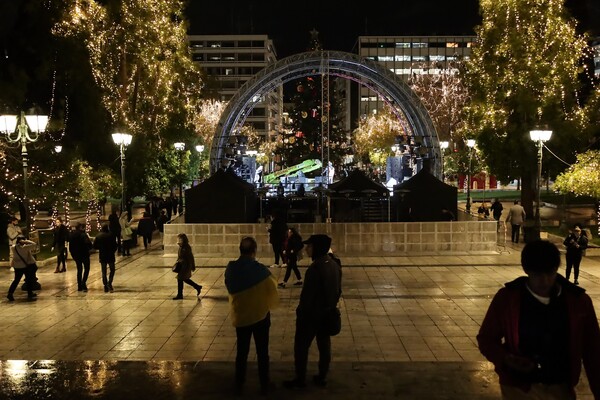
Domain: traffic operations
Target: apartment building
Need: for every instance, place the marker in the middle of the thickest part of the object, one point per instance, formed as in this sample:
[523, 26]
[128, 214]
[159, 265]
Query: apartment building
[231, 60]
[407, 55]
[596, 48]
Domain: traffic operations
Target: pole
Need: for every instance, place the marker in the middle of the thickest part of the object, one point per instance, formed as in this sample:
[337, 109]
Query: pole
[538, 220]
[180, 207]
[24, 156]
[123, 184]
[468, 206]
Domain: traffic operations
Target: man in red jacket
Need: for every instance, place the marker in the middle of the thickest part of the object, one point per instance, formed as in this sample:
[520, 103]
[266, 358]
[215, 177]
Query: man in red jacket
[539, 328]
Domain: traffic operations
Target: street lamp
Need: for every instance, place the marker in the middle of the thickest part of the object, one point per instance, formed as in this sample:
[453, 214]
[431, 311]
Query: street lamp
[22, 124]
[443, 146]
[539, 136]
[470, 145]
[122, 140]
[180, 147]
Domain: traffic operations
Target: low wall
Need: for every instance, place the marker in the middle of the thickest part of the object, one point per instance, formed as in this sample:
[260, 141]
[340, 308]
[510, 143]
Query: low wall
[379, 238]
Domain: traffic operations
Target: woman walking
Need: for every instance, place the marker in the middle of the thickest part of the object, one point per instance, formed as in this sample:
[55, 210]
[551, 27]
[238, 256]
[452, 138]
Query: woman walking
[126, 233]
[293, 247]
[185, 258]
[60, 240]
[576, 243]
[23, 263]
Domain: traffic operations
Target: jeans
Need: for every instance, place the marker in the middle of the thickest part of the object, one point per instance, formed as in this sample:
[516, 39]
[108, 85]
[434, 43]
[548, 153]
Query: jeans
[61, 257]
[147, 240]
[278, 251]
[292, 265]
[83, 271]
[306, 331]
[573, 261]
[260, 331]
[111, 266]
[29, 279]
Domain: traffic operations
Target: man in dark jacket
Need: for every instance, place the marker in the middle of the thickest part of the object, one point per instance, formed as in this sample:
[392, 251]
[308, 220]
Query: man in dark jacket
[106, 244]
[277, 237]
[80, 246]
[539, 328]
[146, 227]
[320, 294]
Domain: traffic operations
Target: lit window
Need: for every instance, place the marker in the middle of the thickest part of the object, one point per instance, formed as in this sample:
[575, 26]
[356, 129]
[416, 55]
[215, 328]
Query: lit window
[419, 58]
[402, 58]
[386, 58]
[437, 58]
[452, 44]
[403, 45]
[419, 45]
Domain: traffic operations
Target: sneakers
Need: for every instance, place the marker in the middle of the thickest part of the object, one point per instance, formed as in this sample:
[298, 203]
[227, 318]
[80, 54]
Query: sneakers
[299, 283]
[281, 285]
[283, 266]
[576, 282]
[274, 266]
[294, 384]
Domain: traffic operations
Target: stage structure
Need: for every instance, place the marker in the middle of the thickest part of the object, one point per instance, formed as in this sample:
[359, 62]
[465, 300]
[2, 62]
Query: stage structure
[402, 100]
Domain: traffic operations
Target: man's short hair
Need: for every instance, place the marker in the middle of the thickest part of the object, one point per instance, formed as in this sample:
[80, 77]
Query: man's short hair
[540, 256]
[248, 246]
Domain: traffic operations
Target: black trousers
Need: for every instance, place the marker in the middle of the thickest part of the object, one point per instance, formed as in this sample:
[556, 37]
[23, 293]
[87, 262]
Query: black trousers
[83, 271]
[278, 251]
[147, 240]
[292, 265]
[189, 282]
[61, 257]
[29, 279]
[107, 266]
[515, 233]
[260, 332]
[306, 331]
[573, 261]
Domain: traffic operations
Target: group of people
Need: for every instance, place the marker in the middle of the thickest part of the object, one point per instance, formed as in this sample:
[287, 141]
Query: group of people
[287, 248]
[253, 295]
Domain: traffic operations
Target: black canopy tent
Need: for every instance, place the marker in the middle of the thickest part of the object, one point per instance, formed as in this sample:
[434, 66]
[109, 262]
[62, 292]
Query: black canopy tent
[425, 196]
[222, 198]
[358, 198]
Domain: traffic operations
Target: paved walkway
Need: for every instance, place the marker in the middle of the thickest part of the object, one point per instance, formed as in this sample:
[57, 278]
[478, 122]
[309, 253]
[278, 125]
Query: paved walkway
[409, 326]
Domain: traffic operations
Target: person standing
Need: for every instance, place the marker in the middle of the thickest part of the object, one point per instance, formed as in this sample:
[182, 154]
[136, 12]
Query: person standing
[497, 208]
[23, 264]
[252, 295]
[13, 231]
[516, 217]
[126, 234]
[539, 328]
[576, 243]
[160, 225]
[320, 293]
[293, 247]
[146, 227]
[106, 244]
[59, 244]
[277, 236]
[80, 246]
[185, 257]
[115, 228]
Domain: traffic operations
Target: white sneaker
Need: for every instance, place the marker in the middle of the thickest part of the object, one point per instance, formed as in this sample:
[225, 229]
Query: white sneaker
[283, 266]
[274, 266]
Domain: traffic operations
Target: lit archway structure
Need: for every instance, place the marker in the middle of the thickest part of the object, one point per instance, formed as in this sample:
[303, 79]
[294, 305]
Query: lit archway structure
[368, 73]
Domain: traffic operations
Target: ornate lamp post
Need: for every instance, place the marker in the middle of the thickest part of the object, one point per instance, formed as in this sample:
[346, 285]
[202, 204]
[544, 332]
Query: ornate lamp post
[122, 140]
[17, 130]
[539, 136]
[470, 145]
[443, 146]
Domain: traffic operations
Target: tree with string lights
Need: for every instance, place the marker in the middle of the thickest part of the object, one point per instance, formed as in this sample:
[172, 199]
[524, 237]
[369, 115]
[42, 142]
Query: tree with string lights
[301, 139]
[523, 73]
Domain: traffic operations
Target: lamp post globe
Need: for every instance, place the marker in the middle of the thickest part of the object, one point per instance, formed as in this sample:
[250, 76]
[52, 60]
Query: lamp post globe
[122, 140]
[539, 136]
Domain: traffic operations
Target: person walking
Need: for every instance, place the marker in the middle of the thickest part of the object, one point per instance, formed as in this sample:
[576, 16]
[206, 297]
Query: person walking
[80, 246]
[320, 293]
[516, 217]
[292, 249]
[539, 328]
[277, 236]
[59, 244]
[13, 231]
[252, 295]
[576, 242]
[185, 257]
[126, 234]
[106, 244]
[497, 208]
[115, 228]
[23, 263]
[146, 228]
[160, 225]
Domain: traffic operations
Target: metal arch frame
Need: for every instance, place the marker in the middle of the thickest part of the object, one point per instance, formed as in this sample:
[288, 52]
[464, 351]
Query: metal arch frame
[392, 89]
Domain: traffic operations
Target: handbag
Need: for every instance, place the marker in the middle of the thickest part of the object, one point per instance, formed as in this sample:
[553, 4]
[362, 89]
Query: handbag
[334, 321]
[177, 267]
[33, 267]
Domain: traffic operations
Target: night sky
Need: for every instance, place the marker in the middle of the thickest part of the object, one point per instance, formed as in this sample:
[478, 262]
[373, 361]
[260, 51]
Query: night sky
[339, 23]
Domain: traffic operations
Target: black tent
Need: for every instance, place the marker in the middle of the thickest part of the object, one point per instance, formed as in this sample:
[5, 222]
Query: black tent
[423, 198]
[359, 184]
[222, 198]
